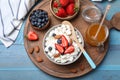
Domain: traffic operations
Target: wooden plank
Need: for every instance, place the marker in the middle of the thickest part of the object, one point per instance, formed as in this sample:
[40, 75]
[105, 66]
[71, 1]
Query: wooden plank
[39, 75]
[114, 37]
[12, 58]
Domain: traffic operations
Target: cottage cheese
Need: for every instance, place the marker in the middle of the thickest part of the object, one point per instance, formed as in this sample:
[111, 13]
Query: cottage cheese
[49, 41]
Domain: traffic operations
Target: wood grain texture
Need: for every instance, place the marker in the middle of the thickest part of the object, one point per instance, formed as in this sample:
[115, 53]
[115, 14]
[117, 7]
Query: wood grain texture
[115, 21]
[64, 71]
[16, 65]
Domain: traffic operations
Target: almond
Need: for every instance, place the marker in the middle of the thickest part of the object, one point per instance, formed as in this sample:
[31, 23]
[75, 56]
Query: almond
[37, 49]
[74, 70]
[39, 59]
[82, 67]
[71, 41]
[56, 55]
[31, 50]
[57, 36]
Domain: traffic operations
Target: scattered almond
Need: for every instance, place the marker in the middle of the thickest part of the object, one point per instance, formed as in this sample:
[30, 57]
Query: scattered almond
[82, 67]
[31, 50]
[56, 55]
[70, 41]
[39, 59]
[37, 49]
[74, 70]
[57, 36]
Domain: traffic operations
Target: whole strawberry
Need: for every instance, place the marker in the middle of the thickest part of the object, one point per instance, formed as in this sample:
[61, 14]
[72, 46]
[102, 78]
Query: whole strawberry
[64, 2]
[70, 9]
[55, 4]
[60, 12]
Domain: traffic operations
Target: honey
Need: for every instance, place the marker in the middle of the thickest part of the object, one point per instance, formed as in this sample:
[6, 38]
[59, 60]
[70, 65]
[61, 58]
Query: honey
[100, 38]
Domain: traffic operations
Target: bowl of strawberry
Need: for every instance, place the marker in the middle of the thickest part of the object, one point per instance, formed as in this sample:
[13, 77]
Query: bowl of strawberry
[64, 9]
[59, 47]
[39, 19]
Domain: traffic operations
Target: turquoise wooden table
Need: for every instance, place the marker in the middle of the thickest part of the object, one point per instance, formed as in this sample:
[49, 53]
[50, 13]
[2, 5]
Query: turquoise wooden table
[16, 65]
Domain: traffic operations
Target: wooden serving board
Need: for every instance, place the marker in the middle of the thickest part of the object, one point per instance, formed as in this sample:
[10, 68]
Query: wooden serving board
[81, 66]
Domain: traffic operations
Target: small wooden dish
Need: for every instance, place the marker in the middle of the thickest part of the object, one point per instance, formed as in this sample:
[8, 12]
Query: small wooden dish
[77, 3]
[43, 27]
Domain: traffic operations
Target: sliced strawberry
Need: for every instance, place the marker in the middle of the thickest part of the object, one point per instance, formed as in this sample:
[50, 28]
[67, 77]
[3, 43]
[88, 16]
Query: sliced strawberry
[55, 4]
[59, 48]
[70, 9]
[64, 41]
[70, 49]
[60, 12]
[32, 36]
[72, 1]
[64, 2]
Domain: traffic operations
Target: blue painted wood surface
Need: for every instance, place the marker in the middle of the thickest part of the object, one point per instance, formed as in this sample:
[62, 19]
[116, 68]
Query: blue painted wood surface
[16, 65]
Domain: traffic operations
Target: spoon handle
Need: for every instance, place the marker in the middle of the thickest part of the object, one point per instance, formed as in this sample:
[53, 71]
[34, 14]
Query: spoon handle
[90, 61]
[106, 11]
[88, 58]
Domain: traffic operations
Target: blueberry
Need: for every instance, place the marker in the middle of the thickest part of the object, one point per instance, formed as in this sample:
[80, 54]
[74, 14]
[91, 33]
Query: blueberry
[53, 34]
[42, 16]
[30, 17]
[69, 44]
[40, 13]
[50, 48]
[33, 16]
[42, 24]
[46, 51]
[35, 23]
[35, 13]
[38, 24]
[32, 22]
[39, 16]
[59, 41]
[39, 20]
[43, 20]
[34, 19]
[46, 19]
[46, 16]
[43, 12]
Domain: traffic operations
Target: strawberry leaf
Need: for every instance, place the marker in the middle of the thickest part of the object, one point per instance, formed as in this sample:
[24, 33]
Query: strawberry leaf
[76, 9]
[55, 10]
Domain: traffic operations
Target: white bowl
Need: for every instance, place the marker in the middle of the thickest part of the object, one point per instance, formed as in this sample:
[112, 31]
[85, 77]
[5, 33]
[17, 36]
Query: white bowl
[44, 40]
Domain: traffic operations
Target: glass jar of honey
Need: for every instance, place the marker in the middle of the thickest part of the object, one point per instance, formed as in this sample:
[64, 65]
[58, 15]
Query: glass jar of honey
[100, 37]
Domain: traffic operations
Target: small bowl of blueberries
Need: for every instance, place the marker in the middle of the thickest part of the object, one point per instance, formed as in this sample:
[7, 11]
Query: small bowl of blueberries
[39, 19]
